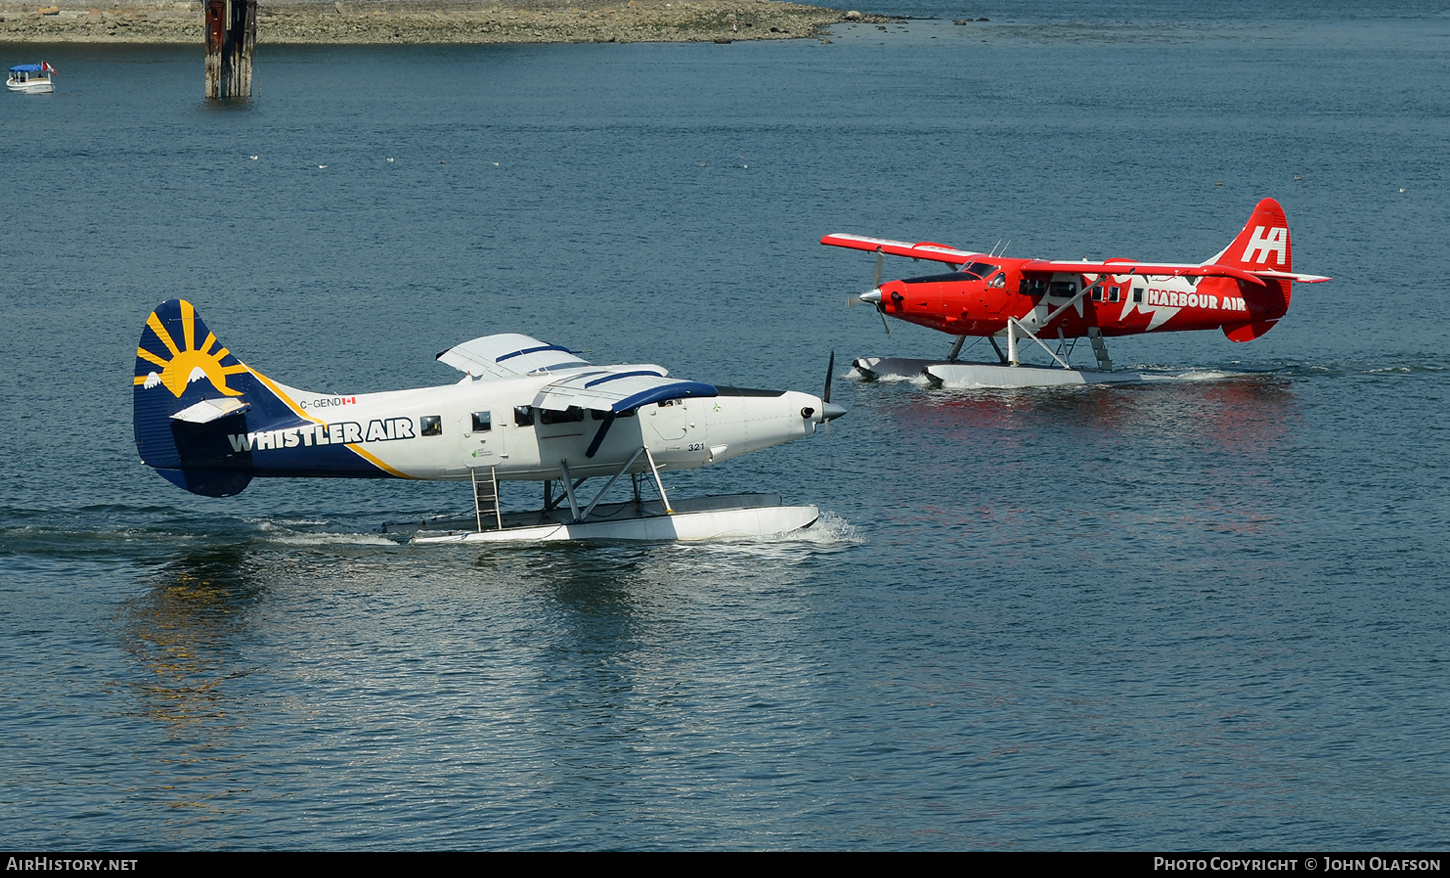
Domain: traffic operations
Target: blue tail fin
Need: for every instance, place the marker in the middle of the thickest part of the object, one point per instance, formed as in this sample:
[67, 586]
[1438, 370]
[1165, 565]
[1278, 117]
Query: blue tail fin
[189, 393]
[200, 414]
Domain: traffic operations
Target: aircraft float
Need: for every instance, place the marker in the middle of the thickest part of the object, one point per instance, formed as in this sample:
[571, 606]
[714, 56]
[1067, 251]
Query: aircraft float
[524, 410]
[1243, 291]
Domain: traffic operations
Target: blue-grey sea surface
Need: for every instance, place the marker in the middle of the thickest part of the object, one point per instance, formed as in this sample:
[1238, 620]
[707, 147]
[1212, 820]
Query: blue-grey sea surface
[1209, 613]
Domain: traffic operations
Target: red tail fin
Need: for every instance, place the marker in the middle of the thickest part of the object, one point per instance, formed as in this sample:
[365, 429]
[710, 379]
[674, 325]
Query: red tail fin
[1264, 242]
[1262, 245]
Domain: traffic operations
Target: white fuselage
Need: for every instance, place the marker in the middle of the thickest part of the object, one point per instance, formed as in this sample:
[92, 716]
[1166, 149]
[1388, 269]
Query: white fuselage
[446, 432]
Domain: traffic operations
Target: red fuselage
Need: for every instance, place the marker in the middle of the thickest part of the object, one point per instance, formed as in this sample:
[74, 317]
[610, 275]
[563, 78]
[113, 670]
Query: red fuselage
[979, 300]
[1243, 290]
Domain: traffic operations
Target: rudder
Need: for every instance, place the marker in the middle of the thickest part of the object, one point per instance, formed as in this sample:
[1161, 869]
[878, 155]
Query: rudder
[188, 391]
[1262, 245]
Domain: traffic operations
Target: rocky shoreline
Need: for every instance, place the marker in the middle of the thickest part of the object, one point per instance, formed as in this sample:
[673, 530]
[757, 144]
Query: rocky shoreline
[371, 21]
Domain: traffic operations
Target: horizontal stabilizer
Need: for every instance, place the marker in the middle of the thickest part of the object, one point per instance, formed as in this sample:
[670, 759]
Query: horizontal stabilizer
[209, 410]
[1293, 276]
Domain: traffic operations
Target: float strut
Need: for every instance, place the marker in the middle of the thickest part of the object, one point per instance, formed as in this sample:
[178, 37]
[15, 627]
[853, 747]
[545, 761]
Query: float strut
[956, 349]
[612, 479]
[569, 487]
[658, 484]
[1001, 357]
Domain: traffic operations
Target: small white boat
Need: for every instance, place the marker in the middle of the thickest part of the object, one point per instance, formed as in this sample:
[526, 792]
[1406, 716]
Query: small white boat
[34, 79]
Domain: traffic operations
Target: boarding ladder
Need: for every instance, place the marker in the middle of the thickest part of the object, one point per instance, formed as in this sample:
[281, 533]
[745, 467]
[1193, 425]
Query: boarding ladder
[485, 498]
[1100, 348]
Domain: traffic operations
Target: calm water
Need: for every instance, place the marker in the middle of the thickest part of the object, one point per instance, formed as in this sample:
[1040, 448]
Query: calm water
[1206, 614]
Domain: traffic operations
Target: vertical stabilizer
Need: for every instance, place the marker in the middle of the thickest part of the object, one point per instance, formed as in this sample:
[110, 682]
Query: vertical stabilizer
[1262, 245]
[208, 423]
[188, 392]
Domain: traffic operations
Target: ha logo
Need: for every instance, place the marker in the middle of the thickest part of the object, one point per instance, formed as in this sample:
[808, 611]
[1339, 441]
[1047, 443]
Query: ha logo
[1277, 241]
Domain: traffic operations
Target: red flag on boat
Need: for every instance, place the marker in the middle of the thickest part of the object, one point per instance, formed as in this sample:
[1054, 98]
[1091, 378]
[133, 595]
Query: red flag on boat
[45, 65]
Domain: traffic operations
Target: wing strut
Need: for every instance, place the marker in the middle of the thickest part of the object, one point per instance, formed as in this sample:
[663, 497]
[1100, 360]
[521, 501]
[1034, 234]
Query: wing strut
[1054, 313]
[599, 440]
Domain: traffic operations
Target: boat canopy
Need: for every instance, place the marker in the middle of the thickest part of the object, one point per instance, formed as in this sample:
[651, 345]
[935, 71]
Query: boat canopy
[28, 68]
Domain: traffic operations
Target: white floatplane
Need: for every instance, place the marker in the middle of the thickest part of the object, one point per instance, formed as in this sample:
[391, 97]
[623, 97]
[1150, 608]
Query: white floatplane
[524, 410]
[34, 79]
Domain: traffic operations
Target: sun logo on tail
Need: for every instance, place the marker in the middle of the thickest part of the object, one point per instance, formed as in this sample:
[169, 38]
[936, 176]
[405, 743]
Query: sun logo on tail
[181, 364]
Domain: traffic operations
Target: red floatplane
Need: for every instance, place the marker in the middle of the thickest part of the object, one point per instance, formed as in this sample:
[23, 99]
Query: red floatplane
[1243, 291]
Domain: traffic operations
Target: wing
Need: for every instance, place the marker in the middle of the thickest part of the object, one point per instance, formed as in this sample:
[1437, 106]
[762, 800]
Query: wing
[922, 250]
[1129, 266]
[1165, 269]
[614, 389]
[509, 355]
[618, 389]
[953, 256]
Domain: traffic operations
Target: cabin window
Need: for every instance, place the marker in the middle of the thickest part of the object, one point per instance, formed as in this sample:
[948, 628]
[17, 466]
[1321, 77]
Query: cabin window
[523, 416]
[599, 416]
[482, 422]
[567, 416]
[998, 281]
[1097, 294]
[1137, 295]
[1063, 288]
[1114, 293]
[430, 425]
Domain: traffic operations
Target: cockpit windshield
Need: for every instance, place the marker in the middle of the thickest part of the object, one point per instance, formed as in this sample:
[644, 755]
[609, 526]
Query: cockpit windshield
[978, 269]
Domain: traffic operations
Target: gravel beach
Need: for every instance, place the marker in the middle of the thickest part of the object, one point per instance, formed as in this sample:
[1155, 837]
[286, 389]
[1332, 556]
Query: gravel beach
[325, 21]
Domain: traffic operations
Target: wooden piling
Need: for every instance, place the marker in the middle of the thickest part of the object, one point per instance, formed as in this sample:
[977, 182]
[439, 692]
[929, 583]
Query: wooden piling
[231, 33]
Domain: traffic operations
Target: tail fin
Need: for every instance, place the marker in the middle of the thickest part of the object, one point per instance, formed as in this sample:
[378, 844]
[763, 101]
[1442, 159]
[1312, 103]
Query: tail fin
[1262, 246]
[1263, 243]
[200, 413]
[189, 393]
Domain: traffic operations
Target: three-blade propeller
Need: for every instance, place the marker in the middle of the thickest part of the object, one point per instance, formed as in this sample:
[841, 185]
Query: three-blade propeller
[830, 411]
[873, 296]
